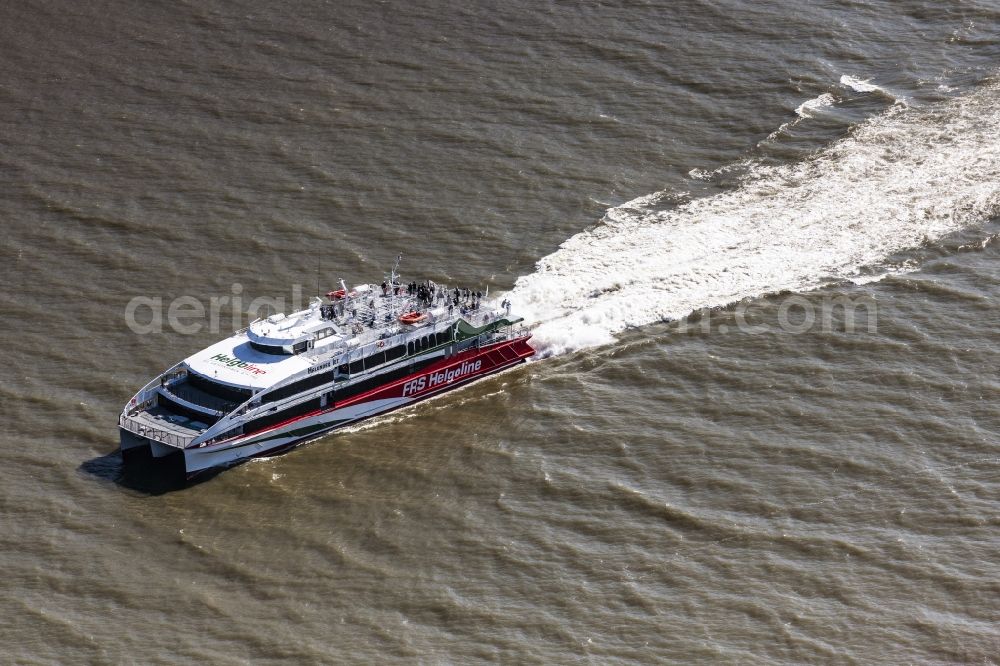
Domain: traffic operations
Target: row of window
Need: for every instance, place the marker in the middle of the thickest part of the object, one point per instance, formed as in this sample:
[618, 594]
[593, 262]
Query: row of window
[355, 389]
[428, 341]
[277, 350]
[268, 420]
[180, 410]
[412, 347]
[368, 384]
[298, 387]
[373, 360]
[220, 391]
[368, 363]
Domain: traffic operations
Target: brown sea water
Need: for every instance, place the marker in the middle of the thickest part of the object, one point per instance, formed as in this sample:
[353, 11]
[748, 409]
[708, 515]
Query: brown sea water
[655, 489]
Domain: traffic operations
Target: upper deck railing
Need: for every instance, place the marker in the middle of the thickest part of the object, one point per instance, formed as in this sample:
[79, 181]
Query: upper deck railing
[143, 429]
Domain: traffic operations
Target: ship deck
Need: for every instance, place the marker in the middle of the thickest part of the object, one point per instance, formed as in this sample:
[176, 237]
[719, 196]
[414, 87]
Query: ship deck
[163, 426]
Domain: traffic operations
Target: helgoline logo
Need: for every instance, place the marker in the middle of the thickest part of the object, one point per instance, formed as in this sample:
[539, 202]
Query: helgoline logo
[443, 377]
[238, 364]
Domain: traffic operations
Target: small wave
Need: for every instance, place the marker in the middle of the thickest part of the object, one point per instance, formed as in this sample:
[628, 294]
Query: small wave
[858, 85]
[866, 86]
[725, 171]
[809, 108]
[645, 201]
[782, 128]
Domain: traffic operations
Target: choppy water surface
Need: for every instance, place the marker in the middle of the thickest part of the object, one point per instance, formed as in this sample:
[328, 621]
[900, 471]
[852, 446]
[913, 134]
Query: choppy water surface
[720, 489]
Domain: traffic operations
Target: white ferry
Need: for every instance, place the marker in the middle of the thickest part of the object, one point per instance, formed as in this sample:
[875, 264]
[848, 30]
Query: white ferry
[288, 379]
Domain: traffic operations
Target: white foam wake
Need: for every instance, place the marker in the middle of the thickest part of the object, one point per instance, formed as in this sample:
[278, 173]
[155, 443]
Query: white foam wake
[898, 180]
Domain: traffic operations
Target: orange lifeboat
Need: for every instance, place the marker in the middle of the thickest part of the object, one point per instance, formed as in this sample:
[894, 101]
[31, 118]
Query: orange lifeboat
[336, 295]
[412, 317]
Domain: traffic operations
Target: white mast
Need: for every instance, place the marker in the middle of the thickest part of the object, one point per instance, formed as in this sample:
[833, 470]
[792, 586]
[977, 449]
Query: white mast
[392, 286]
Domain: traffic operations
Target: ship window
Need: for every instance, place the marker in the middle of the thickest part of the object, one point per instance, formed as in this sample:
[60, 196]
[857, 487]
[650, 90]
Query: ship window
[227, 393]
[298, 387]
[395, 352]
[423, 342]
[268, 349]
[411, 347]
[364, 385]
[282, 415]
[382, 379]
[375, 360]
[443, 336]
[300, 347]
[357, 366]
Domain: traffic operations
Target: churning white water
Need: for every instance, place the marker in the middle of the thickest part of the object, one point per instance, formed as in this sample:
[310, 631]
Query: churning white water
[898, 180]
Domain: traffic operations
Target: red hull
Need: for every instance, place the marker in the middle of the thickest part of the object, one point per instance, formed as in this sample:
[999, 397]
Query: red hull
[440, 375]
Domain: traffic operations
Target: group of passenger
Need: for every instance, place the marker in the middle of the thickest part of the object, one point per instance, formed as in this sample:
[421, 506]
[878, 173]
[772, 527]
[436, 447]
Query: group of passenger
[467, 298]
[424, 292]
[412, 289]
[333, 310]
[428, 294]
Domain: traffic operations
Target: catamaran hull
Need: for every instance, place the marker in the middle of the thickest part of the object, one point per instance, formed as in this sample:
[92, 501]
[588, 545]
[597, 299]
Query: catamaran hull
[139, 453]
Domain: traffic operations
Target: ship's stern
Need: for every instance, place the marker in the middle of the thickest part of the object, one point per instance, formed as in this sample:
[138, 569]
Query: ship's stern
[143, 456]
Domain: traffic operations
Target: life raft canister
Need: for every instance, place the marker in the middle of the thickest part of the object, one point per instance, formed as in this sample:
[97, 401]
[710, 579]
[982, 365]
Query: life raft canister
[412, 317]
